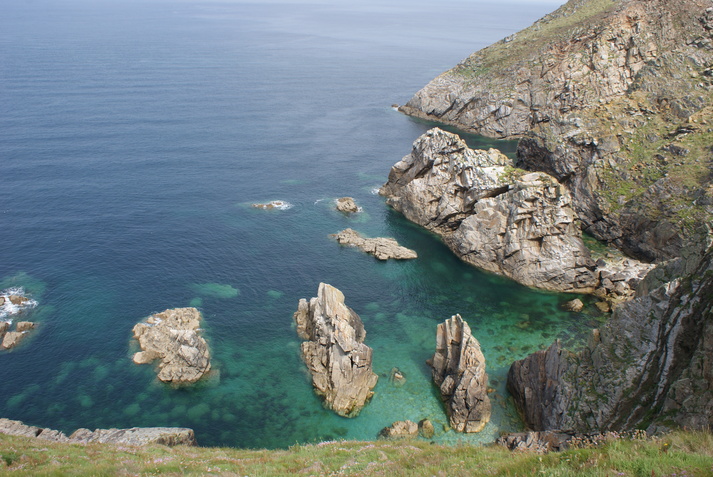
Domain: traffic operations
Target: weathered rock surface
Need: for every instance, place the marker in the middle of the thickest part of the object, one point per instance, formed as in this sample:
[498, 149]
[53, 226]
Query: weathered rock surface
[613, 99]
[24, 326]
[459, 371]
[400, 430]
[649, 366]
[12, 339]
[381, 247]
[334, 351]
[548, 441]
[347, 205]
[575, 305]
[491, 214]
[136, 436]
[173, 336]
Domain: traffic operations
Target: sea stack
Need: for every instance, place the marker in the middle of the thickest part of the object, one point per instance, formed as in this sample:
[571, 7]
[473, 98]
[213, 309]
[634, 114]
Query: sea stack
[334, 351]
[459, 372]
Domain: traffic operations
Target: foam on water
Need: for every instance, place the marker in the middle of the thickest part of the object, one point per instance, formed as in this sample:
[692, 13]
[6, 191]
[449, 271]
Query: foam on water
[9, 309]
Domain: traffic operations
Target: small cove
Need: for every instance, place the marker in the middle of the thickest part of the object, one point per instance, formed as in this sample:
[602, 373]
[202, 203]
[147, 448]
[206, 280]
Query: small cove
[135, 139]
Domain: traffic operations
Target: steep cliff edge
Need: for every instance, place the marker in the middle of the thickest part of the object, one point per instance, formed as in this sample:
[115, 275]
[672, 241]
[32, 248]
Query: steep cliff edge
[651, 366]
[611, 97]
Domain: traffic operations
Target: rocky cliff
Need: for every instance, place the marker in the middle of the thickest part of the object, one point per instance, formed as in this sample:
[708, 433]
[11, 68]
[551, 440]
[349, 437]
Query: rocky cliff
[610, 97]
[334, 351]
[651, 366]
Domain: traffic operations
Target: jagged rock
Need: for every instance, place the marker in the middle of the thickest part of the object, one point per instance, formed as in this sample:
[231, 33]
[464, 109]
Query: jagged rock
[12, 339]
[648, 366]
[24, 326]
[382, 248]
[491, 214]
[603, 306]
[136, 436]
[347, 205]
[400, 430]
[173, 336]
[546, 441]
[4, 326]
[597, 103]
[575, 305]
[334, 351]
[426, 429]
[459, 371]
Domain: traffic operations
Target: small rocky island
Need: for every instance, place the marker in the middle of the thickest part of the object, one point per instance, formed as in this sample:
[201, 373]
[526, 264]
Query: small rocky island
[459, 372]
[383, 248]
[334, 351]
[12, 303]
[173, 337]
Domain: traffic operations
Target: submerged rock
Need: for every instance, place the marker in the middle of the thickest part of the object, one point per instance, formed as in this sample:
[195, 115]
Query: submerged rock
[492, 215]
[347, 205]
[426, 429]
[334, 351]
[136, 436]
[575, 305]
[399, 430]
[382, 248]
[173, 336]
[274, 204]
[459, 371]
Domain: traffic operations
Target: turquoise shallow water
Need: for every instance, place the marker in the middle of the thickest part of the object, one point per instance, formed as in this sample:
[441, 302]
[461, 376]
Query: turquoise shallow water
[134, 138]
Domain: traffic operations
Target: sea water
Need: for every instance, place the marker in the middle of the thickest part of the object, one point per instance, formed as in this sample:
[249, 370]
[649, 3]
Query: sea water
[135, 137]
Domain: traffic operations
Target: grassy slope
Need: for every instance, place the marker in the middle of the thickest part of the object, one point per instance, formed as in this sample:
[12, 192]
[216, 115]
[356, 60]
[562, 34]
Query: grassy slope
[679, 454]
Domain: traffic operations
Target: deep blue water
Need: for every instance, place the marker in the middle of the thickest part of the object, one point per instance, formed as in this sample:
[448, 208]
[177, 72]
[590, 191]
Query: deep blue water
[135, 135]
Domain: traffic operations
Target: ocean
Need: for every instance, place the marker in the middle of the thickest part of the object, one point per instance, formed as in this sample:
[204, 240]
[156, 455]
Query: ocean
[135, 137]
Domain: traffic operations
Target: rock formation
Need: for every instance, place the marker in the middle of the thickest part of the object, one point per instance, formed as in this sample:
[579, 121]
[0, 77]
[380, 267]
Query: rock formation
[459, 372]
[381, 247]
[347, 205]
[173, 336]
[334, 351]
[649, 366]
[491, 214]
[613, 99]
[10, 339]
[136, 436]
[399, 430]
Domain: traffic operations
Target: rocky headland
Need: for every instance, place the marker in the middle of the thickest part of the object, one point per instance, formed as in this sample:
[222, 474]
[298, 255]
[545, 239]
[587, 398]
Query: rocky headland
[173, 337]
[612, 103]
[383, 248]
[613, 99]
[334, 351]
[135, 436]
[458, 369]
[501, 218]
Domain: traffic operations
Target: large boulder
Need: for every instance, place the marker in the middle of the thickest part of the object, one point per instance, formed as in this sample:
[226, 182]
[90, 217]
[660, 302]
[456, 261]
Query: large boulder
[12, 339]
[173, 336]
[334, 351]
[382, 248]
[346, 205]
[491, 214]
[459, 371]
[400, 430]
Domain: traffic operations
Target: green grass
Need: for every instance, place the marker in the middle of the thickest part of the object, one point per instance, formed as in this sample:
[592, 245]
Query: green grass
[679, 454]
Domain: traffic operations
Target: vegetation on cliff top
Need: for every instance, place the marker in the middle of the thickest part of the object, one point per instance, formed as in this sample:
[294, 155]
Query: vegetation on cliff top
[678, 454]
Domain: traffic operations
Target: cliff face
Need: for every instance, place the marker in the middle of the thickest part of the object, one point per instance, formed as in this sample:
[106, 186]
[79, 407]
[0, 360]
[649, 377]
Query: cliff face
[613, 99]
[650, 366]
